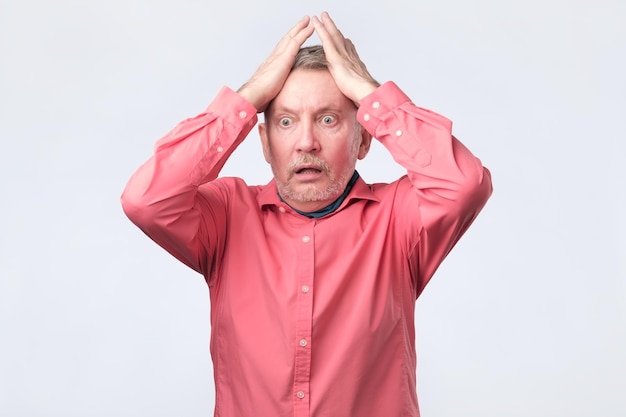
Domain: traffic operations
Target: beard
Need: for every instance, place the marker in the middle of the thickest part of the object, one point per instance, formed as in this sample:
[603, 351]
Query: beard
[306, 193]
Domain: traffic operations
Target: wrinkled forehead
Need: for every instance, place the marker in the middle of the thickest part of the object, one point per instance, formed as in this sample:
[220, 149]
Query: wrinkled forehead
[310, 91]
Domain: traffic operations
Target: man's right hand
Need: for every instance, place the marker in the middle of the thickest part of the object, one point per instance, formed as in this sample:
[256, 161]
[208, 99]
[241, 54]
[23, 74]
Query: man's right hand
[268, 80]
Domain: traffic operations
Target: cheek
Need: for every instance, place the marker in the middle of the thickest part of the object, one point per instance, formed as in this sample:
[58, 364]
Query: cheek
[278, 159]
[278, 155]
[275, 146]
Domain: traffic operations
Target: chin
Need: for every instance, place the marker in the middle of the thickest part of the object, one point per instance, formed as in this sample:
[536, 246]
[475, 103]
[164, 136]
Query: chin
[310, 193]
[314, 195]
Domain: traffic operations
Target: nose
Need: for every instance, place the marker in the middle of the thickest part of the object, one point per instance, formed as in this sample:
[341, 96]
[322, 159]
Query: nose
[308, 139]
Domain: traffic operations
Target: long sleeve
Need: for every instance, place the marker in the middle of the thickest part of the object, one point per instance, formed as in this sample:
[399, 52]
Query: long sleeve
[163, 197]
[450, 185]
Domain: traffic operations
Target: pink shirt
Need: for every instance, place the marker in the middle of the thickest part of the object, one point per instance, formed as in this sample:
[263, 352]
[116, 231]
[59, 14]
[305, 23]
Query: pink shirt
[311, 317]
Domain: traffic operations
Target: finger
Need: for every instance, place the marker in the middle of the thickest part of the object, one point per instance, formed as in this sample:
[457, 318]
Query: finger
[298, 33]
[327, 41]
[301, 27]
[319, 28]
[331, 27]
[302, 23]
[303, 35]
[350, 47]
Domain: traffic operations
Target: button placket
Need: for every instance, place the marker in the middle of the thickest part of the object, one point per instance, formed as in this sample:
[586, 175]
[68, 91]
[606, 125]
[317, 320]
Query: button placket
[304, 320]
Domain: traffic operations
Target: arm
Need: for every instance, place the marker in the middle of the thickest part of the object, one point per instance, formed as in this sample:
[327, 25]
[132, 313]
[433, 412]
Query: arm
[447, 186]
[164, 198]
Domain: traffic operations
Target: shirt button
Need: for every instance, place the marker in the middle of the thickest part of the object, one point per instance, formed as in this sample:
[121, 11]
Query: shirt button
[303, 342]
[243, 114]
[306, 239]
[305, 288]
[300, 394]
[281, 209]
[220, 149]
[375, 104]
[366, 117]
[398, 132]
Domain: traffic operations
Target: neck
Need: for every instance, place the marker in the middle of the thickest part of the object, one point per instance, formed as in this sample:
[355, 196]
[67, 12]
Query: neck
[330, 208]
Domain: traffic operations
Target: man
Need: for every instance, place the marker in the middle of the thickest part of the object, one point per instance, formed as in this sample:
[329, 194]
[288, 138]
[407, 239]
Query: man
[313, 278]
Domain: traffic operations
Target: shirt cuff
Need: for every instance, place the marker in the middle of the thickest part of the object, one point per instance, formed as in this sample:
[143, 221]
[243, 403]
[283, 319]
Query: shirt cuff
[232, 108]
[381, 101]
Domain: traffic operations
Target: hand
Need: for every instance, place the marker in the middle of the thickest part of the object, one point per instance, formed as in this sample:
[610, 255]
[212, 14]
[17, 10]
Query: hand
[269, 78]
[349, 72]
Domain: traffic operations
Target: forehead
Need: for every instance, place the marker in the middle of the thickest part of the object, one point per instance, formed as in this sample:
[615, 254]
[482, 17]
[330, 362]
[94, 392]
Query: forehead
[308, 90]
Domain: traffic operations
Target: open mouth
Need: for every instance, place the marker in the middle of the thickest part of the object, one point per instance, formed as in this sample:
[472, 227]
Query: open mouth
[308, 170]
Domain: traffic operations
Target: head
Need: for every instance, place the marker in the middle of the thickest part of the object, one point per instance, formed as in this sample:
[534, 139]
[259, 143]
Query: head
[311, 137]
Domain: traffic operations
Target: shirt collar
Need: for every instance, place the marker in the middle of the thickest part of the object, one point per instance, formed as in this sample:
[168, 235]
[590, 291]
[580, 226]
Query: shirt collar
[268, 196]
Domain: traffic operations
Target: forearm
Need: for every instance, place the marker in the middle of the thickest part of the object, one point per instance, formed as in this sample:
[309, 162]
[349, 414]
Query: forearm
[161, 197]
[448, 185]
[438, 165]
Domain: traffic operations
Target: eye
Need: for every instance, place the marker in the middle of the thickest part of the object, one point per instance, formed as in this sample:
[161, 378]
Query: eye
[328, 120]
[285, 121]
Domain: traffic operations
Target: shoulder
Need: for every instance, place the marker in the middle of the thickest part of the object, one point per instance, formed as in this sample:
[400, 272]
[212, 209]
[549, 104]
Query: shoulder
[229, 188]
[386, 190]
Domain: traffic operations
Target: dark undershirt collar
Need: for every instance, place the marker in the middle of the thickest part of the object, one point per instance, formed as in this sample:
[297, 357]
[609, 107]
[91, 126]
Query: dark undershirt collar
[332, 206]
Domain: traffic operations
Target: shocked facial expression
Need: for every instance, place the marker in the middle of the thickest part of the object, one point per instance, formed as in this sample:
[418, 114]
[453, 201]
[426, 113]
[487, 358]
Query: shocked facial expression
[312, 140]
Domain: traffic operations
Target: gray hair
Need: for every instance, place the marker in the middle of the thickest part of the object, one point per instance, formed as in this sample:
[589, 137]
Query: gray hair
[311, 58]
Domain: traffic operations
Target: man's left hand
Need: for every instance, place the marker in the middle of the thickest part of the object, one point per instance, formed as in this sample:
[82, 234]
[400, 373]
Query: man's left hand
[349, 72]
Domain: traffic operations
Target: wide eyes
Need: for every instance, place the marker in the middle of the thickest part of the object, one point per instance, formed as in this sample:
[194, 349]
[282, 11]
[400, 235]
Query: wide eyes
[325, 120]
[328, 120]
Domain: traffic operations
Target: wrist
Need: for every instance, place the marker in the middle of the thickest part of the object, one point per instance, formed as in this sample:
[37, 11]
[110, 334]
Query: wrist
[365, 90]
[248, 94]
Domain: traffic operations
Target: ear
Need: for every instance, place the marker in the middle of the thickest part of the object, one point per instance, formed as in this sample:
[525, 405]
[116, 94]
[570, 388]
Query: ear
[366, 142]
[265, 142]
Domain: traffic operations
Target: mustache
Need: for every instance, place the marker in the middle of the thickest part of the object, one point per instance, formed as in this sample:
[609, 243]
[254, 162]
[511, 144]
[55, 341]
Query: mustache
[308, 159]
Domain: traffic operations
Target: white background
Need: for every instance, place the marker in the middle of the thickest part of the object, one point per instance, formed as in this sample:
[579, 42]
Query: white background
[527, 316]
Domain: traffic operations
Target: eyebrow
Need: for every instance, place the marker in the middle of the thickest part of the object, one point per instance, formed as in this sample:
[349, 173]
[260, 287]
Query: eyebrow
[285, 109]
